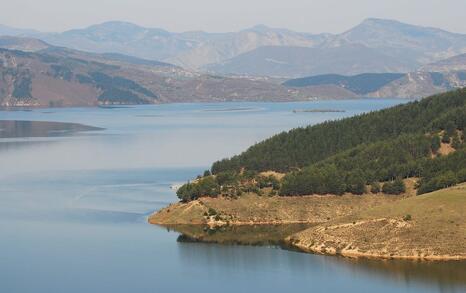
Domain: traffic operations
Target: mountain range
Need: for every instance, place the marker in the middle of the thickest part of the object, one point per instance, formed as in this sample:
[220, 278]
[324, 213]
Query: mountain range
[33, 73]
[122, 63]
[375, 45]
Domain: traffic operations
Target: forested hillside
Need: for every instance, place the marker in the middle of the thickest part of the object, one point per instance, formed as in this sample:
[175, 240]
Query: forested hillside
[422, 139]
[360, 84]
[303, 146]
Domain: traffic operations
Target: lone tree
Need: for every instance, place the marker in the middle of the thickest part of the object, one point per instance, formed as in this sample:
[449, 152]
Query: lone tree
[356, 183]
[435, 143]
[375, 187]
[395, 187]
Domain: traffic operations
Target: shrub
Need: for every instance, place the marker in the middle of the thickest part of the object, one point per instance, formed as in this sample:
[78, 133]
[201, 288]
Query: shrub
[456, 143]
[211, 212]
[435, 143]
[356, 184]
[375, 187]
[269, 181]
[445, 138]
[225, 178]
[395, 187]
[461, 175]
[205, 186]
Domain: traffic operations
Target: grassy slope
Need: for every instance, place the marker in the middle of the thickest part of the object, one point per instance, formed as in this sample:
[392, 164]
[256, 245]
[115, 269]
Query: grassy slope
[252, 209]
[437, 229]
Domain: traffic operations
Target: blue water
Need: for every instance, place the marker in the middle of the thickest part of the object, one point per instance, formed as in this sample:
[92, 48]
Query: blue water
[73, 209]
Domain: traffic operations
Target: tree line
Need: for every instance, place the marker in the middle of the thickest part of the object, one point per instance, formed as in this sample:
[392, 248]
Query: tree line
[302, 147]
[377, 149]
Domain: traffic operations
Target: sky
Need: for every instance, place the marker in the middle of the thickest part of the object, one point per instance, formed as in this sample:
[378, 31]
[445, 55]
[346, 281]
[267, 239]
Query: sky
[314, 16]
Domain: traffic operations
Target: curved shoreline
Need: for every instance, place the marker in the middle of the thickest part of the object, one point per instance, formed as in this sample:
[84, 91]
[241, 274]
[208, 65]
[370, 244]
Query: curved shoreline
[428, 227]
[356, 254]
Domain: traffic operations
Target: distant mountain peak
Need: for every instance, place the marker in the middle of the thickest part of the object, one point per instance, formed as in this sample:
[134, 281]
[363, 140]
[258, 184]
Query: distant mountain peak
[22, 43]
[385, 24]
[374, 20]
[389, 45]
[396, 25]
[11, 31]
[262, 28]
[115, 24]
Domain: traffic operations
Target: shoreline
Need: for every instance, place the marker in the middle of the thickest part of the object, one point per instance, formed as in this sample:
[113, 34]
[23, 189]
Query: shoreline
[32, 107]
[354, 254]
[368, 226]
[317, 249]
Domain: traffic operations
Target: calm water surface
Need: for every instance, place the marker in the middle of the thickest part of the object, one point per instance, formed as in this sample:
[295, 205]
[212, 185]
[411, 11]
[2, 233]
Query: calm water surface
[73, 209]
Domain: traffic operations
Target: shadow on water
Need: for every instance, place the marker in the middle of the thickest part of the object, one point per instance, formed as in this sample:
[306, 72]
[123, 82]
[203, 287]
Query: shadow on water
[19, 128]
[445, 275]
[18, 145]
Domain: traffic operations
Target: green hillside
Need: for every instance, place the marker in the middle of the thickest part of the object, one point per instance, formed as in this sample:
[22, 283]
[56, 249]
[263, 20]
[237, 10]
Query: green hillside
[301, 147]
[422, 139]
[360, 84]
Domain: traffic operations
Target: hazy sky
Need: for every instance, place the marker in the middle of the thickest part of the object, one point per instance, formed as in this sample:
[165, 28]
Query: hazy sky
[221, 15]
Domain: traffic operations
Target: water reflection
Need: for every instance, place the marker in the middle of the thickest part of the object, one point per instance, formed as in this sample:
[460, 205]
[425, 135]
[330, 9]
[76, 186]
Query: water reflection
[416, 276]
[11, 146]
[243, 235]
[447, 276]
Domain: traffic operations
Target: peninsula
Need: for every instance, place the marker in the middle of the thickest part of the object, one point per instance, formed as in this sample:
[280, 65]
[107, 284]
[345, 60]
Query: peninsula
[386, 184]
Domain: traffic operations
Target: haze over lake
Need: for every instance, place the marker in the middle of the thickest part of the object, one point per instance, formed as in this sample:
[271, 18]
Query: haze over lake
[73, 208]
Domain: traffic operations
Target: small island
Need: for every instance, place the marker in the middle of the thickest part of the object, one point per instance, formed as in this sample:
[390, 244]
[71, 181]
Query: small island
[318, 111]
[386, 184]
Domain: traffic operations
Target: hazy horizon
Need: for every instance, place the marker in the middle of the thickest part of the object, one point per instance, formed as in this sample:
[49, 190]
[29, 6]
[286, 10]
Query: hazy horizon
[318, 16]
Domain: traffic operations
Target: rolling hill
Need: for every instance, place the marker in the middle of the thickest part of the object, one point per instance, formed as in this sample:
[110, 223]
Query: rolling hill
[361, 84]
[300, 61]
[431, 226]
[413, 85]
[455, 63]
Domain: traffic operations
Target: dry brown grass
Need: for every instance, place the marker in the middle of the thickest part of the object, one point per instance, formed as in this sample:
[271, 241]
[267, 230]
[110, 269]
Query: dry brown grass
[277, 175]
[431, 226]
[445, 149]
[251, 209]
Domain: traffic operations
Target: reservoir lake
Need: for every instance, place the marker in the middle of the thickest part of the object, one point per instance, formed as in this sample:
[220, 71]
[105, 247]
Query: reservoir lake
[75, 197]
